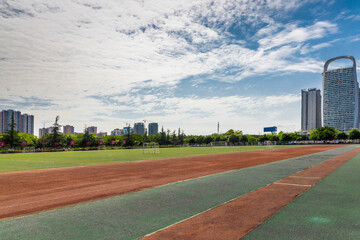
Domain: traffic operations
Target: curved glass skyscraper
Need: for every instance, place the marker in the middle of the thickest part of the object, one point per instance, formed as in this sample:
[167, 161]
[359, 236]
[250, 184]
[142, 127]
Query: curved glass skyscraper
[340, 96]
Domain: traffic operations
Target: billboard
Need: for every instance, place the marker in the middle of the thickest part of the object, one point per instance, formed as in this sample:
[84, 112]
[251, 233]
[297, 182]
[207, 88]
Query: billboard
[270, 129]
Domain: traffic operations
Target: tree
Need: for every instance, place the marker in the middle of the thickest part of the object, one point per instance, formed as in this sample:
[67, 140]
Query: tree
[162, 140]
[68, 138]
[85, 138]
[328, 134]
[229, 132]
[274, 138]
[295, 136]
[11, 137]
[223, 137]
[145, 138]
[200, 140]
[129, 141]
[323, 133]
[138, 139]
[354, 134]
[238, 132]
[167, 136]
[181, 137]
[192, 140]
[234, 139]
[30, 139]
[286, 137]
[173, 138]
[55, 131]
[244, 138]
[314, 135]
[251, 139]
[216, 137]
[89, 139]
[208, 139]
[341, 135]
[280, 134]
[263, 138]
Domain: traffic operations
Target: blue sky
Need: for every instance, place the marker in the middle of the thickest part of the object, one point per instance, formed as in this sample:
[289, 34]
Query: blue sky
[187, 64]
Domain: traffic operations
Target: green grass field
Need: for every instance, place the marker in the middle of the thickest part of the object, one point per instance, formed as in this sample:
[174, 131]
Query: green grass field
[31, 161]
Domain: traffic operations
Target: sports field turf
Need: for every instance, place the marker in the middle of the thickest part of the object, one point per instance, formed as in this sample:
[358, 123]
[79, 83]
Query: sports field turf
[133, 215]
[31, 161]
[330, 210]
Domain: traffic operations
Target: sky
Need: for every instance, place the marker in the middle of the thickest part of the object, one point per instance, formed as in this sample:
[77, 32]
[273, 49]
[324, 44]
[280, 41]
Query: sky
[185, 64]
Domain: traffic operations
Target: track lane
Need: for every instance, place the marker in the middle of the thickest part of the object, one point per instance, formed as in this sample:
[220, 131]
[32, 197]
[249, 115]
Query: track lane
[32, 191]
[235, 219]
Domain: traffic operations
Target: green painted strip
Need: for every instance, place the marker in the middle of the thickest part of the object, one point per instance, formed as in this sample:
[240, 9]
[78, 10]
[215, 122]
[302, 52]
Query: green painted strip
[134, 215]
[329, 210]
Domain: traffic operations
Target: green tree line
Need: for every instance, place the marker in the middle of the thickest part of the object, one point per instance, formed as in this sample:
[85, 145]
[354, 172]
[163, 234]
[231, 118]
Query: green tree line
[55, 139]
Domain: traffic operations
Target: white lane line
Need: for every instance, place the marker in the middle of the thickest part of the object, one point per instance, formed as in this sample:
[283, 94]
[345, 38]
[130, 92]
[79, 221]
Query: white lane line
[207, 210]
[293, 184]
[305, 177]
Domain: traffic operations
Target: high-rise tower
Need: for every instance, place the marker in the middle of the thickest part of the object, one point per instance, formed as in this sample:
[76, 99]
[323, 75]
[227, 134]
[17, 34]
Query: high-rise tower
[310, 109]
[340, 96]
[139, 128]
[27, 123]
[5, 120]
[153, 128]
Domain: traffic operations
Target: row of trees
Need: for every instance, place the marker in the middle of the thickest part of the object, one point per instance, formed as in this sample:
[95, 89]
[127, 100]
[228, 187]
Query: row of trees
[323, 133]
[55, 139]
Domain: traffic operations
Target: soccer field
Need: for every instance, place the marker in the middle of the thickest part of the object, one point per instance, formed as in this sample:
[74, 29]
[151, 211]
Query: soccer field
[31, 161]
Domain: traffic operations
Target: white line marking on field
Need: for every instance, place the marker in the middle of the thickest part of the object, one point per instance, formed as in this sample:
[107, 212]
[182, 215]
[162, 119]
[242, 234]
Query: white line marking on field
[293, 184]
[305, 177]
[183, 220]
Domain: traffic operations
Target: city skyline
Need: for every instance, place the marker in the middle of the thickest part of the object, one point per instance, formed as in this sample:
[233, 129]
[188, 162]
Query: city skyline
[187, 64]
[138, 128]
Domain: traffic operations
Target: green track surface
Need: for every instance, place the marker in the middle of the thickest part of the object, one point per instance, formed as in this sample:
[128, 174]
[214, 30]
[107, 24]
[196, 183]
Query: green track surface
[134, 215]
[31, 161]
[329, 210]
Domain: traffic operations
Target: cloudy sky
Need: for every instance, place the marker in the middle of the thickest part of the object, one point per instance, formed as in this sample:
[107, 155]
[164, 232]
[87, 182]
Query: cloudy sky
[187, 64]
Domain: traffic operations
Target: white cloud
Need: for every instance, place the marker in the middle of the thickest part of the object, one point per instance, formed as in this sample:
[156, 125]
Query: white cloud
[174, 112]
[353, 17]
[65, 51]
[356, 39]
[294, 34]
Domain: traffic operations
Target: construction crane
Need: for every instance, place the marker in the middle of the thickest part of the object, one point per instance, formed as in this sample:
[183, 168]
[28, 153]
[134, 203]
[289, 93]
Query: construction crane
[127, 124]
